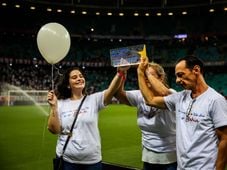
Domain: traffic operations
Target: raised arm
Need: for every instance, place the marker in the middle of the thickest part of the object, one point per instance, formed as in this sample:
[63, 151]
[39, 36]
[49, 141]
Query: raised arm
[157, 86]
[113, 87]
[150, 98]
[53, 120]
[121, 94]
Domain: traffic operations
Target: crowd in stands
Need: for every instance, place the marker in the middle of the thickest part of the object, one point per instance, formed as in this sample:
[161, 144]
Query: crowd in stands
[39, 77]
[22, 65]
[94, 52]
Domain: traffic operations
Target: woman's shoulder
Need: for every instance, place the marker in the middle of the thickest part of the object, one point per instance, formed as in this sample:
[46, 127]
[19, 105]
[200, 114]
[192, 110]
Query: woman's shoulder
[96, 94]
[63, 100]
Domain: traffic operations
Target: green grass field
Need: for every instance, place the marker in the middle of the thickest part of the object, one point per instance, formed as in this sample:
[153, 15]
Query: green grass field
[25, 143]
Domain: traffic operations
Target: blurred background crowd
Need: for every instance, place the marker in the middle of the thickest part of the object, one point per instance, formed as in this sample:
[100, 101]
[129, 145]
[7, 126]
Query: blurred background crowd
[199, 31]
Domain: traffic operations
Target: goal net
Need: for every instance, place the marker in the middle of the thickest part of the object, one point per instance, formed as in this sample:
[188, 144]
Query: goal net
[27, 97]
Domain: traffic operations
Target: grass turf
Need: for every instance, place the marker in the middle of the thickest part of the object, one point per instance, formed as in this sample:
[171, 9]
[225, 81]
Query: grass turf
[26, 144]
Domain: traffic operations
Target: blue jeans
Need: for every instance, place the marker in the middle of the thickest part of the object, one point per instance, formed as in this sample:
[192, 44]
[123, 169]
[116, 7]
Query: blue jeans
[148, 166]
[72, 166]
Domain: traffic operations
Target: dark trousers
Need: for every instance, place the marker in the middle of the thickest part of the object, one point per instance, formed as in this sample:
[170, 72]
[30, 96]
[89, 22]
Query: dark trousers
[148, 166]
[72, 166]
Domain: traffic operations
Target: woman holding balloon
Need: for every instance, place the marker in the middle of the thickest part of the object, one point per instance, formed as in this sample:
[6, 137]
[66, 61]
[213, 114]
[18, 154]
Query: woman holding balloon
[83, 151]
[77, 127]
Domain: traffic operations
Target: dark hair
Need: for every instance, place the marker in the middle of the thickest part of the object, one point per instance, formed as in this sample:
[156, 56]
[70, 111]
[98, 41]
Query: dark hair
[191, 61]
[62, 91]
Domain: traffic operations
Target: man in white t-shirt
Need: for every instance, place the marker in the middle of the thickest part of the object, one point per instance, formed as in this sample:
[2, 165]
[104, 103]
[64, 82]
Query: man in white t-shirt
[201, 116]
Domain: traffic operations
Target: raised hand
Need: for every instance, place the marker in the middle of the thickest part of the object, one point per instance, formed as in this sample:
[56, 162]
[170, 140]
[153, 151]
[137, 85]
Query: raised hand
[123, 69]
[143, 65]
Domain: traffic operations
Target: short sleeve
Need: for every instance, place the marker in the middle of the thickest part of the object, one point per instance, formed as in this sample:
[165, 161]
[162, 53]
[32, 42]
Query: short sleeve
[219, 112]
[170, 101]
[133, 97]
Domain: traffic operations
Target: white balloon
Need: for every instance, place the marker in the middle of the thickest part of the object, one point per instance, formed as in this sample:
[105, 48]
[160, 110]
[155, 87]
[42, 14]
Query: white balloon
[53, 42]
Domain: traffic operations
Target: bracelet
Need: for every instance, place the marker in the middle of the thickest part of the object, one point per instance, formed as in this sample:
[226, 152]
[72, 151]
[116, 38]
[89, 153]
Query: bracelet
[121, 74]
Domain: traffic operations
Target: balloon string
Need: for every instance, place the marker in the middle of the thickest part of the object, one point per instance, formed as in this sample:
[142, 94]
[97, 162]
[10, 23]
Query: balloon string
[59, 73]
[52, 76]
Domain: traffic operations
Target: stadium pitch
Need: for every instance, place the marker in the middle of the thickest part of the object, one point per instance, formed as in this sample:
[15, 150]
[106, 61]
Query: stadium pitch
[27, 144]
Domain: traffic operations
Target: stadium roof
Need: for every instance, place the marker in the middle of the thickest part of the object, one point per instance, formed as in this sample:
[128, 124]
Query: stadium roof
[127, 3]
[127, 7]
[27, 16]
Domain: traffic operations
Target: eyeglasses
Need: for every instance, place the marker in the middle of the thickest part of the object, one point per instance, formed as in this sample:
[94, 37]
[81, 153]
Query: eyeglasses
[188, 113]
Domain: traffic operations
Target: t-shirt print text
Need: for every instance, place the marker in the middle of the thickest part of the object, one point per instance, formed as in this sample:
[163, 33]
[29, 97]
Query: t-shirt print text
[191, 117]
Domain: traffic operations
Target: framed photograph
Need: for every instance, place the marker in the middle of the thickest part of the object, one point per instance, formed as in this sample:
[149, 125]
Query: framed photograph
[126, 56]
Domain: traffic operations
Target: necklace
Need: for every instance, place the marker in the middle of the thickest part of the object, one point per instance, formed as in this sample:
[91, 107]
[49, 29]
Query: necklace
[188, 112]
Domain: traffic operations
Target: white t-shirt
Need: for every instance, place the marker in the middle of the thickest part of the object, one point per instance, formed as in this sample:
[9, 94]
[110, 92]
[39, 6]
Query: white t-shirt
[84, 146]
[197, 142]
[157, 126]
